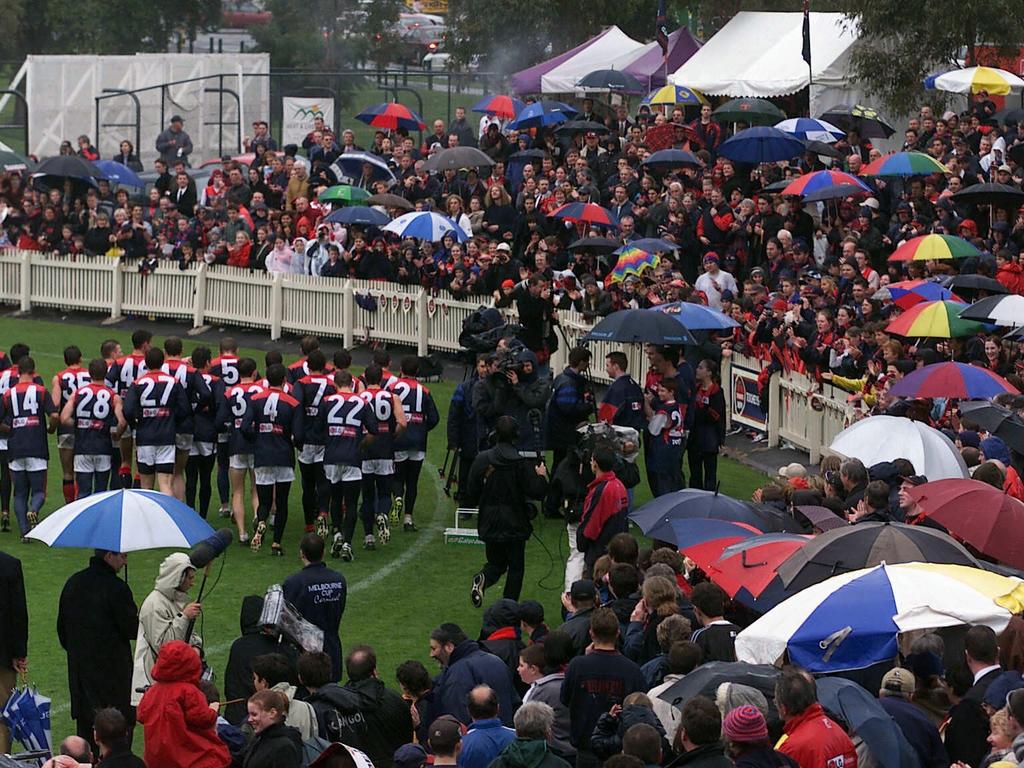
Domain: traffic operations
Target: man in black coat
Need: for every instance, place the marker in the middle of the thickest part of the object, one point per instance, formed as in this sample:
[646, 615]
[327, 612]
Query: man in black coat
[319, 594]
[14, 638]
[97, 620]
[254, 641]
[967, 732]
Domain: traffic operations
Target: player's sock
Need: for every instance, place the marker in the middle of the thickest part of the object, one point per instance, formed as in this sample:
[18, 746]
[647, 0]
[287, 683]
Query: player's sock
[125, 473]
[308, 528]
[70, 494]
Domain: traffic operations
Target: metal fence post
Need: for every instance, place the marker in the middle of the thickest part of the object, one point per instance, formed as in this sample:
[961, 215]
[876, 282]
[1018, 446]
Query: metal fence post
[774, 408]
[348, 299]
[199, 297]
[276, 310]
[728, 390]
[117, 290]
[422, 323]
[26, 281]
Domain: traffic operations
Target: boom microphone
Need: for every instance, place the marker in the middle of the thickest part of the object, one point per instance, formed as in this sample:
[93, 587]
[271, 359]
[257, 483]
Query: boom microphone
[207, 550]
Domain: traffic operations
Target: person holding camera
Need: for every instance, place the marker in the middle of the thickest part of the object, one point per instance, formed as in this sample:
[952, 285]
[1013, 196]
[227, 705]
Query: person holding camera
[501, 484]
[512, 387]
[572, 402]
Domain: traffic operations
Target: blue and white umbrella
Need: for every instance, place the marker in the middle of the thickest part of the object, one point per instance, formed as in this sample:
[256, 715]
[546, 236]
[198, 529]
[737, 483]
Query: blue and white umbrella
[810, 129]
[123, 521]
[27, 715]
[853, 620]
[425, 225]
[120, 174]
[697, 317]
[348, 168]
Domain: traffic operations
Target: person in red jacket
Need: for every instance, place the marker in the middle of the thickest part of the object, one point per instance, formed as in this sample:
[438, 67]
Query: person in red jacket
[810, 736]
[179, 726]
[1009, 273]
[238, 252]
[604, 510]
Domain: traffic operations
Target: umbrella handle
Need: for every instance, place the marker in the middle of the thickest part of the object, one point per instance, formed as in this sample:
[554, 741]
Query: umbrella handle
[743, 561]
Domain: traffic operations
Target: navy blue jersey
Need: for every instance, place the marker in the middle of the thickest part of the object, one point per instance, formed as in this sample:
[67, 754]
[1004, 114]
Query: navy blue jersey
[345, 419]
[205, 424]
[300, 368]
[420, 414]
[310, 391]
[196, 389]
[69, 381]
[381, 406]
[231, 410]
[225, 368]
[623, 404]
[273, 422]
[125, 371]
[25, 408]
[93, 412]
[666, 448]
[156, 406]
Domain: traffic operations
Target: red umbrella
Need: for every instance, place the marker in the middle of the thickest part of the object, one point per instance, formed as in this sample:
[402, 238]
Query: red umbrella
[752, 563]
[985, 517]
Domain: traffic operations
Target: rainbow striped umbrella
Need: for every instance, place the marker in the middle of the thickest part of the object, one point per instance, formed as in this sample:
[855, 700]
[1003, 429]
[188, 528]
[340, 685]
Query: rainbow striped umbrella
[819, 180]
[907, 293]
[934, 247]
[674, 95]
[632, 261]
[904, 164]
[934, 319]
[391, 117]
[997, 82]
[959, 380]
[499, 105]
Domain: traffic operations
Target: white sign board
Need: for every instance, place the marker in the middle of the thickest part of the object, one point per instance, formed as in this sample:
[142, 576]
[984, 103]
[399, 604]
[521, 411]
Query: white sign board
[297, 115]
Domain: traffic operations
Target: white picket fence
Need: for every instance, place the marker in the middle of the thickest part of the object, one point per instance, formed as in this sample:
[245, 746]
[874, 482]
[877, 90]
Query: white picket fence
[327, 307]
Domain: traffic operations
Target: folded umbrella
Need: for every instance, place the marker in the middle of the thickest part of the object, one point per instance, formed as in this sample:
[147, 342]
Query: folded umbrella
[864, 545]
[633, 326]
[455, 158]
[985, 517]
[123, 521]
[959, 380]
[853, 620]
[1006, 310]
[887, 438]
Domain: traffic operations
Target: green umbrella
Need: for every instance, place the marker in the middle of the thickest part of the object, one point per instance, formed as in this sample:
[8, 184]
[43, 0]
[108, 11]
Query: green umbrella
[12, 161]
[343, 193]
[750, 111]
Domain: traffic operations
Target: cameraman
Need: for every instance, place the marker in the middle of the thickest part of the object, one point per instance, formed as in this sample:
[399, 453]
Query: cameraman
[537, 316]
[512, 387]
[501, 483]
[572, 402]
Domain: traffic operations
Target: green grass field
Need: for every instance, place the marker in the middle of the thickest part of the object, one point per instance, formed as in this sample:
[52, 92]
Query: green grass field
[397, 593]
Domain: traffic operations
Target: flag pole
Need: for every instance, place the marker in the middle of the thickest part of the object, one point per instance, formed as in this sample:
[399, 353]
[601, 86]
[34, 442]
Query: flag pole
[806, 52]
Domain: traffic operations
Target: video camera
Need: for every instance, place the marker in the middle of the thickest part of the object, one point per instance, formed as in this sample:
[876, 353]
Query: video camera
[484, 329]
[508, 357]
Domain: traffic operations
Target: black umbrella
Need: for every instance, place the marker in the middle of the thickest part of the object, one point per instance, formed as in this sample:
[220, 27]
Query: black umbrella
[582, 126]
[1001, 422]
[821, 148]
[975, 283]
[866, 717]
[1016, 153]
[778, 186]
[750, 111]
[835, 192]
[528, 154]
[1009, 115]
[389, 200]
[456, 158]
[69, 167]
[611, 80]
[632, 326]
[705, 679]
[594, 244]
[865, 545]
[669, 159]
[857, 117]
[999, 195]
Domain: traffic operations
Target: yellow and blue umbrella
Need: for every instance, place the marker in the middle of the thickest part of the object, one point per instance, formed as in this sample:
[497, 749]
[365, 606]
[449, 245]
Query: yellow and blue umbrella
[994, 81]
[673, 96]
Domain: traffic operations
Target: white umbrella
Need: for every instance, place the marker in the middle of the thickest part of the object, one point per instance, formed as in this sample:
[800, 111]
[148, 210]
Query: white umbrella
[995, 81]
[1006, 310]
[887, 438]
[812, 129]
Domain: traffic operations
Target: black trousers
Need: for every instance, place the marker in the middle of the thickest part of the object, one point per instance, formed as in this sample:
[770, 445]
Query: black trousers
[703, 469]
[502, 557]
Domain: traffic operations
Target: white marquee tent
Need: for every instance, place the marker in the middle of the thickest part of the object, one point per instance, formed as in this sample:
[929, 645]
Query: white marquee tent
[610, 46]
[759, 54]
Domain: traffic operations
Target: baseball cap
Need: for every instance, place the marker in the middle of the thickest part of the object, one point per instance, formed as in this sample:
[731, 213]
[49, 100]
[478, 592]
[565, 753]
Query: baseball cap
[793, 470]
[583, 589]
[504, 247]
[410, 756]
[445, 731]
[177, 119]
[508, 284]
[779, 305]
[532, 612]
[1004, 168]
[871, 203]
[898, 681]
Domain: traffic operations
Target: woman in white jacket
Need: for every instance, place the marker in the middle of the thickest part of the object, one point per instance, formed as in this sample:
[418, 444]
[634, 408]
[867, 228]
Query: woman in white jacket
[165, 615]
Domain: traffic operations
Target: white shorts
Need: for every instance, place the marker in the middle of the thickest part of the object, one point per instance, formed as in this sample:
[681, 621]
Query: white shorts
[95, 463]
[154, 455]
[183, 442]
[341, 473]
[3, 444]
[271, 475]
[199, 448]
[311, 454]
[66, 440]
[27, 465]
[240, 461]
[410, 455]
[378, 467]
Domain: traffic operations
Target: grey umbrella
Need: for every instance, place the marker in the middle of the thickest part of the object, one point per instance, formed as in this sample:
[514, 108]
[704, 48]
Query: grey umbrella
[456, 158]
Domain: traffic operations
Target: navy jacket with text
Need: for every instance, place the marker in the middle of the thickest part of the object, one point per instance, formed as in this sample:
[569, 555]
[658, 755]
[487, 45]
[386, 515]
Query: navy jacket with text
[345, 419]
[230, 412]
[310, 391]
[420, 414]
[273, 423]
[319, 594]
[157, 407]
